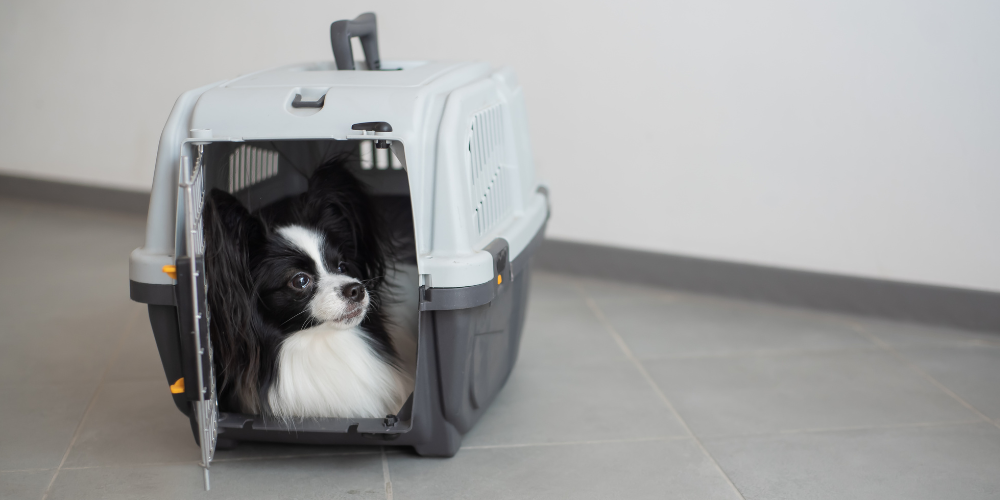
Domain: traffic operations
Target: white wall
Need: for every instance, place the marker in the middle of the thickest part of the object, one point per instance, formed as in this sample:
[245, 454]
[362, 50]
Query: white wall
[851, 137]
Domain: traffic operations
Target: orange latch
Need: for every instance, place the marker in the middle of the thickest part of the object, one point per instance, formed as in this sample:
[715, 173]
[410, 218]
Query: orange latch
[178, 387]
[499, 279]
[171, 271]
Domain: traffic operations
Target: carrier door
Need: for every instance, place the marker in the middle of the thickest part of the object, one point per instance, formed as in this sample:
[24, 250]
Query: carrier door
[192, 308]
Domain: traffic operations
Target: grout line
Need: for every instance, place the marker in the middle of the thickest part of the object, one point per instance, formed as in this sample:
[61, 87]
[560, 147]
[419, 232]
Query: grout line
[663, 397]
[818, 430]
[286, 457]
[145, 464]
[760, 353]
[574, 443]
[93, 398]
[385, 453]
[385, 474]
[221, 460]
[913, 366]
[824, 430]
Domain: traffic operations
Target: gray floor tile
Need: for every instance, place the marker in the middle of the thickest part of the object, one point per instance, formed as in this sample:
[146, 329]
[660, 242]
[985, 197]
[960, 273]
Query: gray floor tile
[971, 371]
[139, 359]
[633, 470]
[574, 401]
[347, 476]
[914, 463]
[64, 304]
[548, 288]
[614, 290]
[49, 369]
[48, 374]
[63, 261]
[17, 485]
[65, 348]
[565, 331]
[754, 394]
[687, 325]
[133, 422]
[136, 422]
[904, 334]
[38, 422]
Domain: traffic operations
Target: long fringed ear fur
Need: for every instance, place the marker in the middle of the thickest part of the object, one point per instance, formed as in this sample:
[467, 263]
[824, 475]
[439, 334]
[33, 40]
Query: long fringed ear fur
[231, 234]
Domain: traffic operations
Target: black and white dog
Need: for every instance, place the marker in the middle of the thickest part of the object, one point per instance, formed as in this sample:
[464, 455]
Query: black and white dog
[294, 291]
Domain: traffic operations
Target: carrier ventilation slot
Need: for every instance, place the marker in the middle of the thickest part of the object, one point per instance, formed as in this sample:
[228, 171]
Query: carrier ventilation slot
[491, 200]
[249, 165]
[493, 205]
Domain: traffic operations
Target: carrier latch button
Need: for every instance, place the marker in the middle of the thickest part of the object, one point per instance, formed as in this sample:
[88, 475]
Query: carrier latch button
[171, 271]
[177, 387]
[366, 127]
[372, 127]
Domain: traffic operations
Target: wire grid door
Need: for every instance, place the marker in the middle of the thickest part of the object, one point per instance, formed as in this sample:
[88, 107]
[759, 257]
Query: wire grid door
[207, 405]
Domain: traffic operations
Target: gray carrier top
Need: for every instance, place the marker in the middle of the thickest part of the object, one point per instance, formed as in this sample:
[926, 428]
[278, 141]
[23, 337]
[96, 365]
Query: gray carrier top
[459, 130]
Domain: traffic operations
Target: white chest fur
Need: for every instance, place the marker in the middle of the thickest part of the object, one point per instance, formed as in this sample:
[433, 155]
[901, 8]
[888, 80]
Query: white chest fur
[325, 372]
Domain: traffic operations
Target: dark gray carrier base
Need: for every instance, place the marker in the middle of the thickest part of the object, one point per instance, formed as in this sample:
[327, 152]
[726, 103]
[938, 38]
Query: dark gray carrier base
[464, 357]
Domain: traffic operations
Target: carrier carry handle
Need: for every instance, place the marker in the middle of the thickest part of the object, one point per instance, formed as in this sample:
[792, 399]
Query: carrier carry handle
[362, 27]
[299, 103]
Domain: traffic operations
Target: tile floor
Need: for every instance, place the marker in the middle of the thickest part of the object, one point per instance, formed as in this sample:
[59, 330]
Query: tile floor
[619, 392]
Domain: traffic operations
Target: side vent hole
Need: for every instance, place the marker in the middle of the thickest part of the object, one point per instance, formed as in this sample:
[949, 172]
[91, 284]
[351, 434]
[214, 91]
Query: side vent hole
[486, 156]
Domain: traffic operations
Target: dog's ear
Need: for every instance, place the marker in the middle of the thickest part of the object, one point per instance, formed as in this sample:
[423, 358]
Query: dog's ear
[226, 216]
[340, 204]
[232, 237]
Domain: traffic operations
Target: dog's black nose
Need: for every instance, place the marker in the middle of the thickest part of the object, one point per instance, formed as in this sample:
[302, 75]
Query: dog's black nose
[353, 292]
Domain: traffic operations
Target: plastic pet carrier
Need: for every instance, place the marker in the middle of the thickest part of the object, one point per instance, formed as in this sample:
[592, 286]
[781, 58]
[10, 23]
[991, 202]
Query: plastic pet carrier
[443, 148]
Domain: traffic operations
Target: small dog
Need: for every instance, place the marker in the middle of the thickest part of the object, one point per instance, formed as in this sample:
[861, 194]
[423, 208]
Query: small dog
[294, 291]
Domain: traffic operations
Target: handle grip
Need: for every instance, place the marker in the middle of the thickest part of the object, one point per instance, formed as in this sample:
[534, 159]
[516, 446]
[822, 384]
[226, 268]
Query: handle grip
[299, 103]
[362, 27]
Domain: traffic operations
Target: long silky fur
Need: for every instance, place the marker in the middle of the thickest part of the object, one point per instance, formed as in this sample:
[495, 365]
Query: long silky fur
[246, 347]
[241, 346]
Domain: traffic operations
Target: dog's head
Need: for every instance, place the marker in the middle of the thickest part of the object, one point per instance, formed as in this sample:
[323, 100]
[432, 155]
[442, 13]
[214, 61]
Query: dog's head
[305, 276]
[318, 258]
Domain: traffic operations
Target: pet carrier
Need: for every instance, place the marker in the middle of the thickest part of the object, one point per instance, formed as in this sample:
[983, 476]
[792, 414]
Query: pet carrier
[444, 150]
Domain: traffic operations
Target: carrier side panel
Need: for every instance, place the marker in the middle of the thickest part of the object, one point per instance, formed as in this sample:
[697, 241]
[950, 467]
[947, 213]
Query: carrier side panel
[477, 349]
[468, 152]
[484, 187]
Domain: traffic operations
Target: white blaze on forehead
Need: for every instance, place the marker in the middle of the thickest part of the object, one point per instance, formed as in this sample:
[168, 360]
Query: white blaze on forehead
[309, 241]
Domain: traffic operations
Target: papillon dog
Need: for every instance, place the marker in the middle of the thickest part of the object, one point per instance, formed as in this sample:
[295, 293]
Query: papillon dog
[294, 292]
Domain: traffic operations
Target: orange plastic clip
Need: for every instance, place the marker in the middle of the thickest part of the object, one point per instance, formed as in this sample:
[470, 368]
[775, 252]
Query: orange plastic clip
[178, 387]
[499, 279]
[171, 271]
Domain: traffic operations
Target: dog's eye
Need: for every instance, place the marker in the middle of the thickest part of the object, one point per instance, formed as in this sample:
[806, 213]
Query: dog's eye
[300, 281]
[342, 268]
